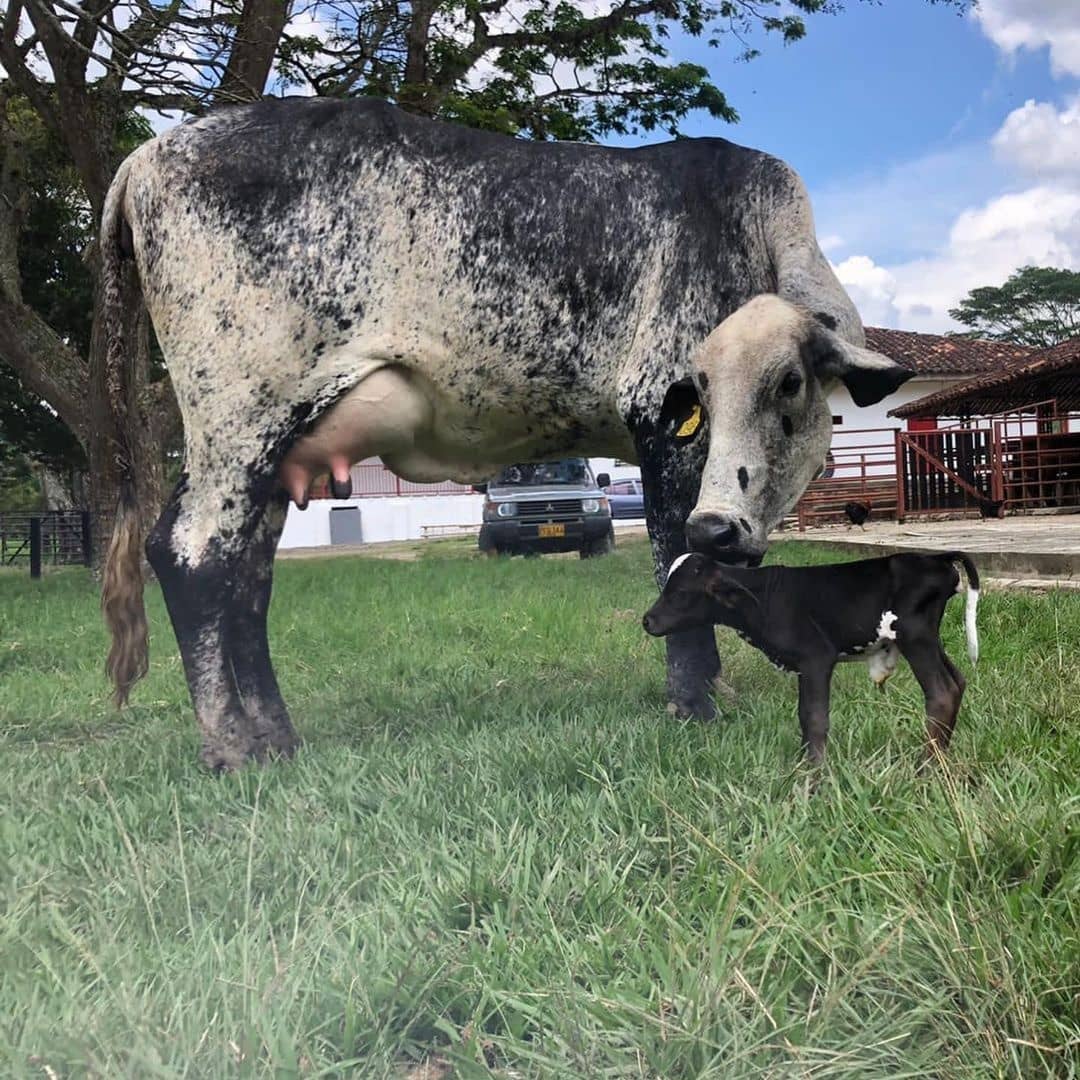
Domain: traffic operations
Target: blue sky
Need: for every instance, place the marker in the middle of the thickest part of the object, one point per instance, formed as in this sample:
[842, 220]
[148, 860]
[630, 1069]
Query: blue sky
[941, 152]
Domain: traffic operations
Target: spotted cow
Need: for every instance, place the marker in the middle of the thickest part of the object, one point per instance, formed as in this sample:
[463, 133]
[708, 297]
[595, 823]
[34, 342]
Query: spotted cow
[331, 280]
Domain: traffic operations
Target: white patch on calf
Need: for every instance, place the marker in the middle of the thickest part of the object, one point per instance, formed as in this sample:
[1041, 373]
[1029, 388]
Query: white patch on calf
[676, 564]
[887, 627]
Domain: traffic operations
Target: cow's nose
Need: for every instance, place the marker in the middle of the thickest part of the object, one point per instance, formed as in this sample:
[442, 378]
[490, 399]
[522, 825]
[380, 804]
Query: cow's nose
[718, 535]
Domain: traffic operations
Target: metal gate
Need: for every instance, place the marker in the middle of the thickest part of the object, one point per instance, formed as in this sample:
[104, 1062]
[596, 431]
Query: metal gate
[945, 470]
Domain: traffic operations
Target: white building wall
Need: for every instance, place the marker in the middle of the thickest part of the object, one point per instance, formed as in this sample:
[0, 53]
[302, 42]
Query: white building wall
[404, 517]
[392, 518]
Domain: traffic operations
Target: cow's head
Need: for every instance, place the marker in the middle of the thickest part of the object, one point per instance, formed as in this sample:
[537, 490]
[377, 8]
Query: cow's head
[762, 377]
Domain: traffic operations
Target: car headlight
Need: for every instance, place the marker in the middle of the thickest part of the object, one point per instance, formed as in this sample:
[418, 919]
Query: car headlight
[593, 506]
[505, 510]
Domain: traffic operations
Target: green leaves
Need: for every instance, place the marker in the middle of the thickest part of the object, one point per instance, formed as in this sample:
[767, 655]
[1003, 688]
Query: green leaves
[546, 70]
[1038, 305]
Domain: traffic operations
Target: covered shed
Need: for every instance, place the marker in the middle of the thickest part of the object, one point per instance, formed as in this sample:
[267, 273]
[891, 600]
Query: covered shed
[1018, 383]
[1004, 440]
[862, 463]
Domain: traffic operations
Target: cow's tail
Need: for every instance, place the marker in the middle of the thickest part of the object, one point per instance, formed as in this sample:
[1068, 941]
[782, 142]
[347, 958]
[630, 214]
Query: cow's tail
[122, 578]
[972, 605]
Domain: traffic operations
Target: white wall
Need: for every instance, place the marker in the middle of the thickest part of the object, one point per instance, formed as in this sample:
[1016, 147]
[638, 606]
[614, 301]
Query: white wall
[392, 518]
[402, 517]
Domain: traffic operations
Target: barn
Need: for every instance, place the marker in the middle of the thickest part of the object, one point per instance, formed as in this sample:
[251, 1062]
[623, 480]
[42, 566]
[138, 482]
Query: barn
[1005, 441]
[862, 464]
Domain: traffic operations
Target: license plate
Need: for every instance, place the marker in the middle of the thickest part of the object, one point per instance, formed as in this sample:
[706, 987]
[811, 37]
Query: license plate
[551, 530]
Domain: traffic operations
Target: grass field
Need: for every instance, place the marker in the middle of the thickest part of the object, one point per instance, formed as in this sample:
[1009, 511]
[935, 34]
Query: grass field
[498, 855]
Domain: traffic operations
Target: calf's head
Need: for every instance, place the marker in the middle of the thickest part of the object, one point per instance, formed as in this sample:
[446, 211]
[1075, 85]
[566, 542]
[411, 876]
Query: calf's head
[762, 377]
[698, 592]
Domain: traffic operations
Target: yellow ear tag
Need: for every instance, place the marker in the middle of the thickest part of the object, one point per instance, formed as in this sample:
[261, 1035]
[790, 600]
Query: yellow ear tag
[690, 424]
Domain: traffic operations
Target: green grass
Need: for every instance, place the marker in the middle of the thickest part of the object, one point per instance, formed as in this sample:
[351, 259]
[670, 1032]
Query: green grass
[498, 855]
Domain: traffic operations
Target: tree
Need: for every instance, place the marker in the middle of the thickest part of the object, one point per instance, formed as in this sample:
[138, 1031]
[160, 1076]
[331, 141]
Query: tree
[1037, 305]
[74, 72]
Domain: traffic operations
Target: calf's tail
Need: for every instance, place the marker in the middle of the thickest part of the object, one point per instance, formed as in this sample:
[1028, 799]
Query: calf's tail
[122, 577]
[972, 605]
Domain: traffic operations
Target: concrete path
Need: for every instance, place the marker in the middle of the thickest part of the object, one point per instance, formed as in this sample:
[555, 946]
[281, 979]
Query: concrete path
[1040, 546]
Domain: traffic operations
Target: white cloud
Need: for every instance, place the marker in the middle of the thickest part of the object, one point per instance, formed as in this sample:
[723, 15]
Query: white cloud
[1034, 24]
[1042, 140]
[904, 210]
[872, 288]
[1040, 226]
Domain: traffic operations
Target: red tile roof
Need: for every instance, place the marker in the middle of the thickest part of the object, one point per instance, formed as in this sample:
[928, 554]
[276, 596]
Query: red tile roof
[1042, 375]
[934, 354]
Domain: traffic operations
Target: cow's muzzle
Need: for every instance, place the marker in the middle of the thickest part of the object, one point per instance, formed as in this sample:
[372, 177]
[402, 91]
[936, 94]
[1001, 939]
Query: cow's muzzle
[726, 537]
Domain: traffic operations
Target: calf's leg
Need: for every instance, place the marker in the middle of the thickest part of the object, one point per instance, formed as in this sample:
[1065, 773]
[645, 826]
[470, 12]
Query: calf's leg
[814, 685]
[943, 689]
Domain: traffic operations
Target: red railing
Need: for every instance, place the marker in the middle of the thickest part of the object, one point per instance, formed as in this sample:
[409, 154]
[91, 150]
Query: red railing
[1023, 460]
[945, 471]
[371, 479]
[861, 468]
[1039, 461]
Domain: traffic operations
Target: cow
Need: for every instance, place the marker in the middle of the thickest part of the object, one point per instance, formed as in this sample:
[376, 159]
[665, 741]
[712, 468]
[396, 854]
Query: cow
[807, 619]
[331, 280]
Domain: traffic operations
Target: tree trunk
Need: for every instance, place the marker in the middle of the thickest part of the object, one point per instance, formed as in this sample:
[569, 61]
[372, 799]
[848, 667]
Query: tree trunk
[253, 50]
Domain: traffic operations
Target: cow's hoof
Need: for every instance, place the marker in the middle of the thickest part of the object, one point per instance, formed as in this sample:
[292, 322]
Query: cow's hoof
[698, 709]
[724, 691]
[260, 750]
[223, 759]
[283, 742]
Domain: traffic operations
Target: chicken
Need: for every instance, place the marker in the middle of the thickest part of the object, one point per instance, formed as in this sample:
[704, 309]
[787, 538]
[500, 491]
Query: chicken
[858, 512]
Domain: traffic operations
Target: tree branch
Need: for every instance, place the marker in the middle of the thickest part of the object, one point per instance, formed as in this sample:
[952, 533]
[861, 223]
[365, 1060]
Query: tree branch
[47, 365]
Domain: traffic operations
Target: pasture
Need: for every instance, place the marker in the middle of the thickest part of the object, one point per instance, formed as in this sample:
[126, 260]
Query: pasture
[497, 855]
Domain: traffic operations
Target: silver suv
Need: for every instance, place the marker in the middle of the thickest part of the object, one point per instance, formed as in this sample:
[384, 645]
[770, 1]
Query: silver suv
[544, 507]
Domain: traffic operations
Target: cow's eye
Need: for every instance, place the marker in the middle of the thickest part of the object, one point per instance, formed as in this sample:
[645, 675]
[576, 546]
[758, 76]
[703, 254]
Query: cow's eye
[791, 384]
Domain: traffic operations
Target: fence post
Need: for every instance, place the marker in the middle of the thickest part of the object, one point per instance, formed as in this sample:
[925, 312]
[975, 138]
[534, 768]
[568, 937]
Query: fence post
[35, 547]
[899, 451]
[87, 551]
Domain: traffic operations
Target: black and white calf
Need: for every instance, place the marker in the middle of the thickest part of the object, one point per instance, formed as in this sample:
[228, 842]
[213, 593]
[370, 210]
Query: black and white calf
[808, 619]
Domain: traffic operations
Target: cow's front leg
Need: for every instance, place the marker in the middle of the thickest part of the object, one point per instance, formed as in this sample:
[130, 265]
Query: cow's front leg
[669, 476]
[202, 555]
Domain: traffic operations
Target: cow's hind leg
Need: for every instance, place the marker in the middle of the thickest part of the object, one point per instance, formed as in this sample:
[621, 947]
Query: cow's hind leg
[249, 648]
[209, 551]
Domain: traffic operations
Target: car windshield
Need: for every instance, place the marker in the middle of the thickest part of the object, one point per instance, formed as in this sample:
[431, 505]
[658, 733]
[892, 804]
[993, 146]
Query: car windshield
[566, 471]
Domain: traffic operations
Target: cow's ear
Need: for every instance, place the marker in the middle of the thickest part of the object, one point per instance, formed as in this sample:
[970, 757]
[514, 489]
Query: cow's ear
[681, 415]
[869, 376]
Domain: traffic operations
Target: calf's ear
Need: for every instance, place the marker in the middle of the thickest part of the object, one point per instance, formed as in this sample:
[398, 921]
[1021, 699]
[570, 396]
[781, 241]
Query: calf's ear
[869, 376]
[726, 590]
